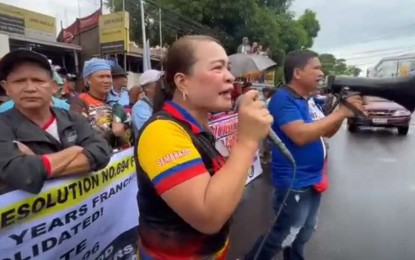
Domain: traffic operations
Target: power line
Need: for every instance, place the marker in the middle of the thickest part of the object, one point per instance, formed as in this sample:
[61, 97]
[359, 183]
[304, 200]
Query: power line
[375, 54]
[178, 23]
[377, 50]
[187, 23]
[388, 33]
[394, 30]
[382, 54]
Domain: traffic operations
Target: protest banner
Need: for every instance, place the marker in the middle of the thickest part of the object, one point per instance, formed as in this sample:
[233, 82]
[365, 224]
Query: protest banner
[94, 216]
[225, 129]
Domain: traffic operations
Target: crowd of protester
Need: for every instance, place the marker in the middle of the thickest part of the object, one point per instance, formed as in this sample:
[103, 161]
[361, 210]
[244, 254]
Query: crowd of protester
[113, 110]
[189, 184]
[86, 125]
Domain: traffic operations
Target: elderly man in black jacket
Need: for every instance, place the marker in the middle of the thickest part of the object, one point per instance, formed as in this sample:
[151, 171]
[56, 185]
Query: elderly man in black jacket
[38, 142]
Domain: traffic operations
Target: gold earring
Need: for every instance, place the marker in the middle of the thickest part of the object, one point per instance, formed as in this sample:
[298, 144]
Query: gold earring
[184, 96]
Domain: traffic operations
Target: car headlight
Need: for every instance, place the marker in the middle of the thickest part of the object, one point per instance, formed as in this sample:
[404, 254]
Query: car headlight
[402, 113]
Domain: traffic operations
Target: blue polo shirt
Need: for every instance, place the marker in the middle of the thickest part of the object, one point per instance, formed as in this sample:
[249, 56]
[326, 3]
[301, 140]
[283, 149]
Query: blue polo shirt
[286, 107]
[121, 98]
[59, 103]
[141, 112]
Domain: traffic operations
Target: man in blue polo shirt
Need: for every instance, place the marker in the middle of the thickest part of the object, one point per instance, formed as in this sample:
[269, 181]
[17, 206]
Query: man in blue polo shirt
[294, 124]
[119, 92]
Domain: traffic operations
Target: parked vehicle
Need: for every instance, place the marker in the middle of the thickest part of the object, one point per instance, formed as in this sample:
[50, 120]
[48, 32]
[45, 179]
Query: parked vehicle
[382, 113]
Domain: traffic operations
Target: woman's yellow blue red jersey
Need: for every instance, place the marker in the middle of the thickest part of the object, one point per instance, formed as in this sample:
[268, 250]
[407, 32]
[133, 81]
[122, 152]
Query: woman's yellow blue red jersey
[167, 156]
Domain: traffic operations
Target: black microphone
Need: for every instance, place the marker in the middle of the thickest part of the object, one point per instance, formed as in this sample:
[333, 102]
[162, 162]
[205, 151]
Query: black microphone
[281, 146]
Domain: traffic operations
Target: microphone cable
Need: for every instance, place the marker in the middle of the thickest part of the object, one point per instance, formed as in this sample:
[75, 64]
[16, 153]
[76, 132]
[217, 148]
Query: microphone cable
[289, 156]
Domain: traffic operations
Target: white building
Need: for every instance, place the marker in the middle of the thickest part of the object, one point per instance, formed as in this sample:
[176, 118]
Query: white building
[371, 72]
[395, 66]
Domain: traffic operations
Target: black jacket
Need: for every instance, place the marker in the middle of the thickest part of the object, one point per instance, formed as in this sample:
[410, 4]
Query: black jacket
[27, 172]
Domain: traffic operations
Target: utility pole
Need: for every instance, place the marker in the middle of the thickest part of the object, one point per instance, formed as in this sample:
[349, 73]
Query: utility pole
[78, 21]
[79, 10]
[160, 29]
[161, 39]
[143, 25]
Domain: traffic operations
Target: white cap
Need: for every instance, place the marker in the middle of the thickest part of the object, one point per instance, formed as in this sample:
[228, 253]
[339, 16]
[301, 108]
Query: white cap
[150, 76]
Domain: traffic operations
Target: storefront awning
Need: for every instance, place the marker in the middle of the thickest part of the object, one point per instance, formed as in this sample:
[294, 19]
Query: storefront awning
[63, 54]
[61, 45]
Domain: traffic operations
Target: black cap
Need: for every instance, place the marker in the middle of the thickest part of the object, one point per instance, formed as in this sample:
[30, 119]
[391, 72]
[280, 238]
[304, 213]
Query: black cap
[13, 58]
[117, 71]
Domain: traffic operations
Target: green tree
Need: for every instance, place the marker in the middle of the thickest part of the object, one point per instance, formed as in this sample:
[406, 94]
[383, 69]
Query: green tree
[341, 67]
[353, 70]
[311, 26]
[333, 66]
[328, 62]
[278, 5]
[269, 22]
[266, 21]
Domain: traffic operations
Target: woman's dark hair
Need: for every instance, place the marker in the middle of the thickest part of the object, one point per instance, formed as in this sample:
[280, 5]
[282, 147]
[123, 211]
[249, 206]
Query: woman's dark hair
[180, 58]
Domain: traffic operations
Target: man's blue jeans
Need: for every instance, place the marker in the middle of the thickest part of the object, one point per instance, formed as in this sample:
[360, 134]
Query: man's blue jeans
[294, 227]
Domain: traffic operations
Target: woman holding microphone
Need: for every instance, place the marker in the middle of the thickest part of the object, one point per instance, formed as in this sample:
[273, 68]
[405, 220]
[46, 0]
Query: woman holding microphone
[189, 184]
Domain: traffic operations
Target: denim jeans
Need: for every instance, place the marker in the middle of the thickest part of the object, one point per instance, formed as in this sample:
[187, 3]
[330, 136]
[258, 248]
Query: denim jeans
[294, 226]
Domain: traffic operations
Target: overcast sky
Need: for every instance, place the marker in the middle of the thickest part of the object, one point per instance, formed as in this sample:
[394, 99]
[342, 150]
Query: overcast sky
[362, 31]
[65, 10]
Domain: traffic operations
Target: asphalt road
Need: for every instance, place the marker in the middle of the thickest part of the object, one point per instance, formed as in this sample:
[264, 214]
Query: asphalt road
[368, 213]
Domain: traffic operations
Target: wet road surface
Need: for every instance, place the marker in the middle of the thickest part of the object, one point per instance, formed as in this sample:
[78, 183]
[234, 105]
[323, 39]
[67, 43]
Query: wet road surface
[368, 213]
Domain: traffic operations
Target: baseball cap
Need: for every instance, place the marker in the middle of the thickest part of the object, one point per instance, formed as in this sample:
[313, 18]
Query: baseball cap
[14, 58]
[150, 76]
[117, 70]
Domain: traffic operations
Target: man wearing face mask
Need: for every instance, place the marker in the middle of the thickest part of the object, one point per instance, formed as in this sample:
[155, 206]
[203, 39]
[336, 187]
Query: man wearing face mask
[303, 136]
[143, 109]
[37, 141]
